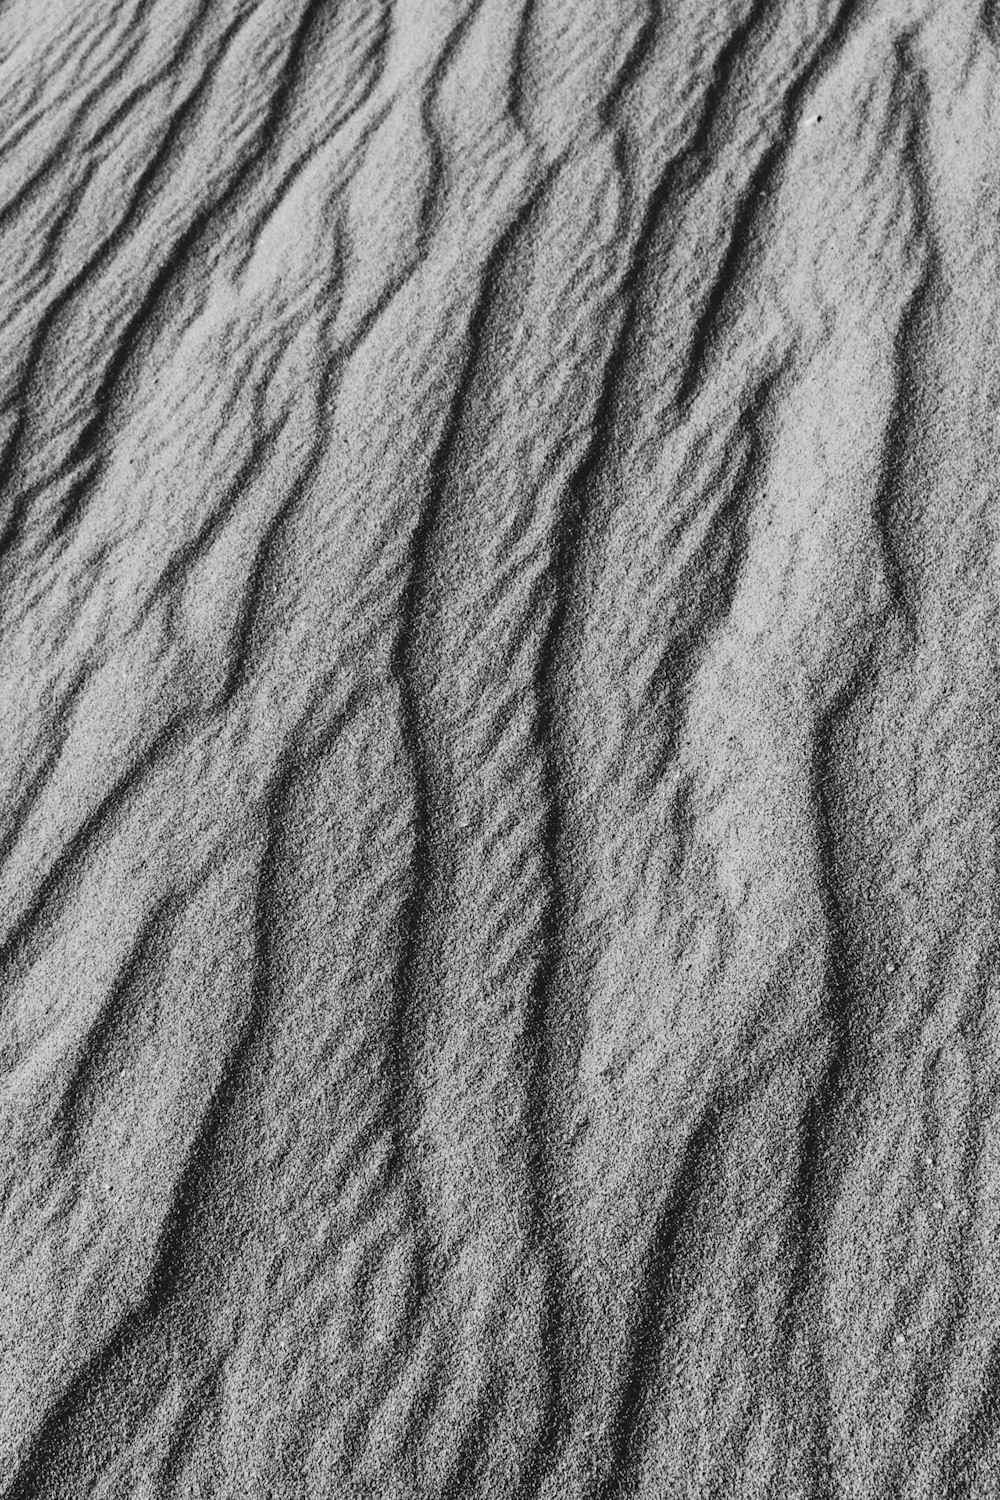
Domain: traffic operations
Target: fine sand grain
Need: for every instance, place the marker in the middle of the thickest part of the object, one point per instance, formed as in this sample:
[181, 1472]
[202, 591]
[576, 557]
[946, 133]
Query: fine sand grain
[499, 793]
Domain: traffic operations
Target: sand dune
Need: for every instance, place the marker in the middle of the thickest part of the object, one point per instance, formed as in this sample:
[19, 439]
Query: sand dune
[499, 655]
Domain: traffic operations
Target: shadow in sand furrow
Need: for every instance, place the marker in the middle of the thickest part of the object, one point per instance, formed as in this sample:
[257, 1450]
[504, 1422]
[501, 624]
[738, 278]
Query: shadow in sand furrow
[391, 201]
[161, 281]
[81, 1431]
[518, 52]
[703, 366]
[301, 146]
[141, 193]
[54, 82]
[754, 203]
[181, 56]
[556, 1020]
[715, 566]
[386, 576]
[59, 219]
[186, 1306]
[723, 372]
[654, 1294]
[414, 664]
[573, 64]
[251, 618]
[40, 764]
[555, 1053]
[178, 566]
[69, 1427]
[55, 885]
[717, 101]
[988, 18]
[616, 374]
[146, 747]
[635, 1373]
[890, 1214]
[109, 1058]
[498, 534]
[96, 1066]
[910, 104]
[828, 1105]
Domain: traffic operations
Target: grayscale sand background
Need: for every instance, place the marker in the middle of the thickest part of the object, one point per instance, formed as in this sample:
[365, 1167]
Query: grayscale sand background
[499, 621]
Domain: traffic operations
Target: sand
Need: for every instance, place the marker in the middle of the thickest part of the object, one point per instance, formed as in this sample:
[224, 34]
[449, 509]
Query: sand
[499, 629]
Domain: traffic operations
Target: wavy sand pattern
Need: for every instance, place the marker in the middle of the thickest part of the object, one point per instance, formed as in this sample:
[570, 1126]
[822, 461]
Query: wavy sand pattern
[499, 663]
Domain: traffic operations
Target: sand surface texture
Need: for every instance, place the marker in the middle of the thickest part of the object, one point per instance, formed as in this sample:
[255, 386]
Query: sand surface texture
[499, 620]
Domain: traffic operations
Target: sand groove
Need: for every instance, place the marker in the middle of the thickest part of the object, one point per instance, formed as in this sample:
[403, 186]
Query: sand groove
[498, 641]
